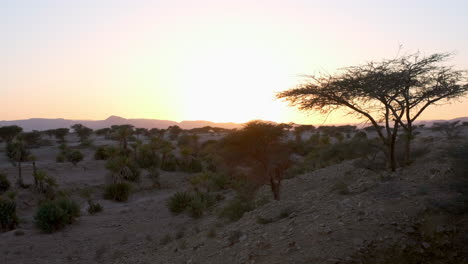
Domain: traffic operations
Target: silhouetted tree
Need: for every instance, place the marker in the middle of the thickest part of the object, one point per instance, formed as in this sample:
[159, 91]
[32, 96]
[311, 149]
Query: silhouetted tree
[122, 133]
[449, 129]
[394, 92]
[31, 138]
[18, 153]
[60, 134]
[299, 130]
[8, 133]
[141, 131]
[103, 132]
[83, 132]
[260, 146]
[174, 132]
[49, 132]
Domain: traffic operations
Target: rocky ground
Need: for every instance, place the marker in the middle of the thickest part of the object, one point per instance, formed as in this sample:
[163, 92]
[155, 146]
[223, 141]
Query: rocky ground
[326, 216]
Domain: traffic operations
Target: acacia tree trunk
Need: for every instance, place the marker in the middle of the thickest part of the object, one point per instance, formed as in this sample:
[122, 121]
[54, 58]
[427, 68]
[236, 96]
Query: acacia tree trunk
[409, 137]
[275, 188]
[20, 177]
[35, 174]
[391, 157]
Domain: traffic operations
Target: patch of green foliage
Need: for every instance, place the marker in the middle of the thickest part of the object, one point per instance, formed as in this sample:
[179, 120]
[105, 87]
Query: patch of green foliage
[4, 183]
[8, 218]
[54, 215]
[117, 191]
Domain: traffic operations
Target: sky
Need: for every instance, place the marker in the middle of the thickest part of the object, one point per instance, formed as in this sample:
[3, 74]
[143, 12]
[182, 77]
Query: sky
[212, 60]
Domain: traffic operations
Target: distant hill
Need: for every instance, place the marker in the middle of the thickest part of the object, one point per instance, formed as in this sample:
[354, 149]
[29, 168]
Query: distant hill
[44, 123]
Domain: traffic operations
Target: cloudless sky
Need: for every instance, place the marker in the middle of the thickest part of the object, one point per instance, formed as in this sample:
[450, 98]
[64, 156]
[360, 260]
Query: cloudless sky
[204, 60]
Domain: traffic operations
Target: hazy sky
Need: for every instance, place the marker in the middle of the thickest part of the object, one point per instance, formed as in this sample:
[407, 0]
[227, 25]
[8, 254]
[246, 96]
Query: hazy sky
[203, 60]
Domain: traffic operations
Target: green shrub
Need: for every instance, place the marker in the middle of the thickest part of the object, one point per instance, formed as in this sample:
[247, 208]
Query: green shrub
[125, 167]
[70, 207]
[236, 208]
[200, 202]
[179, 201]
[94, 208]
[102, 153]
[86, 143]
[74, 157]
[153, 174]
[169, 163]
[209, 181]
[192, 166]
[147, 157]
[8, 218]
[220, 181]
[60, 157]
[117, 191]
[4, 183]
[54, 215]
[45, 184]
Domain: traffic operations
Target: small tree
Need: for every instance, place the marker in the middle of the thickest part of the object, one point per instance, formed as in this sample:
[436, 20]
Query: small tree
[8, 133]
[31, 138]
[18, 153]
[74, 157]
[103, 132]
[449, 129]
[82, 132]
[141, 132]
[60, 134]
[260, 146]
[174, 132]
[122, 133]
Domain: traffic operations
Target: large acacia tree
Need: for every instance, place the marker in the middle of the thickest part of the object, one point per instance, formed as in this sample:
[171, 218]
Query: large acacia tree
[259, 146]
[390, 93]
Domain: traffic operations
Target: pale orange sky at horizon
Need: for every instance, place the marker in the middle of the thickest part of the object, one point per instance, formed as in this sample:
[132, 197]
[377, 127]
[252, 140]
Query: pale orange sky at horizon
[220, 61]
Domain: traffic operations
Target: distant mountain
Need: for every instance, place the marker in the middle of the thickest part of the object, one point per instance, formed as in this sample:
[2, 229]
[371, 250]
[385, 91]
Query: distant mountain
[430, 122]
[44, 123]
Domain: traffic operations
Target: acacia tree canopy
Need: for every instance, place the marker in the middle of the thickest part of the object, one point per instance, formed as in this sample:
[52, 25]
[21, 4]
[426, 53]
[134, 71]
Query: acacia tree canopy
[260, 146]
[392, 93]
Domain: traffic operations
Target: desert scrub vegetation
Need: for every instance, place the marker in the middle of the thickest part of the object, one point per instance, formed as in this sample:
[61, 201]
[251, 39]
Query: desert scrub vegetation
[123, 167]
[74, 156]
[117, 191]
[4, 183]
[397, 105]
[195, 204]
[235, 209]
[8, 218]
[102, 153]
[94, 208]
[54, 215]
[209, 181]
[44, 184]
[153, 175]
[179, 201]
[200, 203]
[68, 154]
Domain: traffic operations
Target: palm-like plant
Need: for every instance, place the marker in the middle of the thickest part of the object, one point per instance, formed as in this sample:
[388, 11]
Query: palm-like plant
[18, 153]
[122, 133]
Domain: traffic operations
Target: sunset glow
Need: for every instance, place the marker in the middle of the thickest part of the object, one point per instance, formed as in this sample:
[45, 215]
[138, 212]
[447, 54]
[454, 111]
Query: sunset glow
[206, 60]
